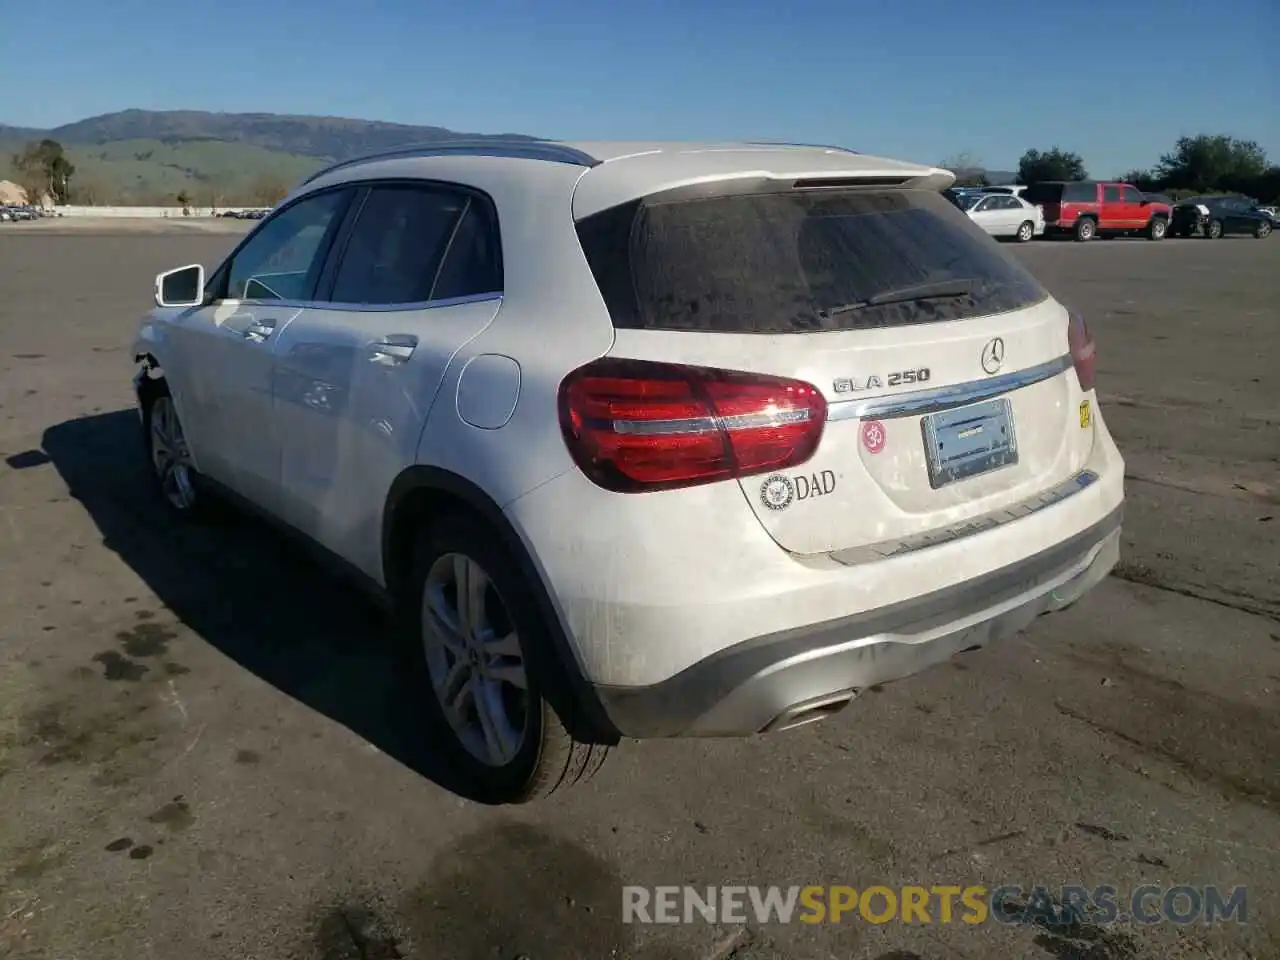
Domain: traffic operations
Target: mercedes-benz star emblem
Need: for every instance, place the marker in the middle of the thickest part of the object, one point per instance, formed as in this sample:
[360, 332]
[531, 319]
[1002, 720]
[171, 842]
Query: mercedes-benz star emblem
[993, 355]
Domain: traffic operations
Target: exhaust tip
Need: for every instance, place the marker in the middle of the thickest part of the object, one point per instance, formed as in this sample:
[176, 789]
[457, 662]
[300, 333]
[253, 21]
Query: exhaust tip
[810, 711]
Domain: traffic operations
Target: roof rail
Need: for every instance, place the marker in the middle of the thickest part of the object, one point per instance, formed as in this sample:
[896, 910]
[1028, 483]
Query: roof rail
[788, 143]
[547, 150]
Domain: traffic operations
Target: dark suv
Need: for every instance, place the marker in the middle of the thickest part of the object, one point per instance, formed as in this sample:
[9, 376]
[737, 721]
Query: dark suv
[1089, 208]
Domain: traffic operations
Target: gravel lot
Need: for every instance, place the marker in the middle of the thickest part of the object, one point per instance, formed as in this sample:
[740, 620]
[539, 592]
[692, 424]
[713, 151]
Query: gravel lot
[203, 751]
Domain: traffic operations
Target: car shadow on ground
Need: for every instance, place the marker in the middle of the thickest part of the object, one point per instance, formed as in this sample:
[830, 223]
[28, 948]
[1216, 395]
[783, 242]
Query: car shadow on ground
[251, 593]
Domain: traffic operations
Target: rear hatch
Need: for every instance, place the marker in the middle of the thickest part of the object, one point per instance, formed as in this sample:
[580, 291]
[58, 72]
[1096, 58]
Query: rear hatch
[940, 359]
[1048, 197]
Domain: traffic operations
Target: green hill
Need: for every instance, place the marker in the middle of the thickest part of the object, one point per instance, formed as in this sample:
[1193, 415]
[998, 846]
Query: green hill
[145, 156]
[150, 171]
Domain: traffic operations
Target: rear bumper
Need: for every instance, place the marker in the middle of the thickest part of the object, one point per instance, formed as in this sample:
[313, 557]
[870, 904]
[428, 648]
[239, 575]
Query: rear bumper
[784, 679]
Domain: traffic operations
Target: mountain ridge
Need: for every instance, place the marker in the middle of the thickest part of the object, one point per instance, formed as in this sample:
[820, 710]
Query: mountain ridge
[323, 137]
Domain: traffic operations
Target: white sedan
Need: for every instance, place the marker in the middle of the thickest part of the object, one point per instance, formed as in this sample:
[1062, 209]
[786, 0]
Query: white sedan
[1004, 215]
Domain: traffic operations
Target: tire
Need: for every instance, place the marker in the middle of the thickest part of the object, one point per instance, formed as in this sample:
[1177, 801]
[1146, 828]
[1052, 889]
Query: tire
[1157, 229]
[1262, 230]
[1214, 230]
[1025, 232]
[473, 687]
[176, 480]
[1086, 229]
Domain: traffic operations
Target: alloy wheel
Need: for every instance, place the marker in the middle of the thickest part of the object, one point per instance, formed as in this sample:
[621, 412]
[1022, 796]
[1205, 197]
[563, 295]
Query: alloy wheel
[475, 660]
[170, 456]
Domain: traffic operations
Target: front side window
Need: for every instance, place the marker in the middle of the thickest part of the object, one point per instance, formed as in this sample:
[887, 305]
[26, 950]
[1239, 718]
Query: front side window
[283, 258]
[1132, 195]
[397, 245]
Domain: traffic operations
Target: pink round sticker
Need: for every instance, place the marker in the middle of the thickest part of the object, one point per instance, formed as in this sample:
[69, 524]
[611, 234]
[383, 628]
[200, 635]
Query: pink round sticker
[873, 436]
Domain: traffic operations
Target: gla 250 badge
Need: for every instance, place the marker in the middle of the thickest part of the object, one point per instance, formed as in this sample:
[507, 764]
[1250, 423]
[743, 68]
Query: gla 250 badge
[897, 378]
[778, 492]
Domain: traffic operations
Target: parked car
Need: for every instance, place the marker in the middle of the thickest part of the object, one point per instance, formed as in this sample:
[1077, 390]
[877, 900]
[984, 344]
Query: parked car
[620, 436]
[1220, 216]
[5, 215]
[22, 213]
[1016, 190]
[1086, 209]
[1004, 215]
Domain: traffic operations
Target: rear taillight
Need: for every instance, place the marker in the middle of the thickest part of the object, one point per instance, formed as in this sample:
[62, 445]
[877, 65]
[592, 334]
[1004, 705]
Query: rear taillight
[636, 425]
[1083, 351]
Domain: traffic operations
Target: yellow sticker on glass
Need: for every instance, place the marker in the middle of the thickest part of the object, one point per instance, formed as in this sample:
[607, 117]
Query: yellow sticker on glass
[1086, 416]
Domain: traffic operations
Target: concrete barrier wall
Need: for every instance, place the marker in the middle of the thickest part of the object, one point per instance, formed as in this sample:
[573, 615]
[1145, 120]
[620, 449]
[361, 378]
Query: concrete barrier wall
[147, 212]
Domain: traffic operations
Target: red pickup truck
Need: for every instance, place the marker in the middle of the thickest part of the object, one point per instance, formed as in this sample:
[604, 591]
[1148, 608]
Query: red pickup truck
[1091, 208]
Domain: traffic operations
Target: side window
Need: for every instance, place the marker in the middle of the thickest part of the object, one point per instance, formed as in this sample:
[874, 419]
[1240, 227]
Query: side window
[473, 264]
[283, 259]
[1080, 193]
[1010, 203]
[397, 244]
[1110, 194]
[987, 203]
[1133, 195]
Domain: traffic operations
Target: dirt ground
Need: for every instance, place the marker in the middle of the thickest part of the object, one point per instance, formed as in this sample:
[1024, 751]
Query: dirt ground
[205, 751]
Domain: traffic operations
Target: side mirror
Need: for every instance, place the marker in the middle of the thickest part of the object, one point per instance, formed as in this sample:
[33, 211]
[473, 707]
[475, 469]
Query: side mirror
[180, 287]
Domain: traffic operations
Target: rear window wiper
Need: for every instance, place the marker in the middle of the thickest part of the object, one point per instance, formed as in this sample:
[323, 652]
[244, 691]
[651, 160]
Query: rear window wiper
[919, 291]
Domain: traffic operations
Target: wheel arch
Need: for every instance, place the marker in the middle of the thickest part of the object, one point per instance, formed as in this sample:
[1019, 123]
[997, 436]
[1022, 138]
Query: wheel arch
[422, 492]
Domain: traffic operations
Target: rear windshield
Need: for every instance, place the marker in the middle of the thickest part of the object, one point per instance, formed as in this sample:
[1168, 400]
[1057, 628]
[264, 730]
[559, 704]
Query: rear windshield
[797, 261]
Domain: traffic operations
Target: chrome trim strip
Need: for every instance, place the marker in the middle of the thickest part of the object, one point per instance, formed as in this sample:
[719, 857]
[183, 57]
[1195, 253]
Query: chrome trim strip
[685, 425]
[364, 307]
[739, 421]
[919, 402]
[496, 147]
[967, 528]
[393, 307]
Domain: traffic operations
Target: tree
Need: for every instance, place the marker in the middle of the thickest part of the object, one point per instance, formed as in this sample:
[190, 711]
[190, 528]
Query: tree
[1212, 162]
[967, 168]
[1052, 164]
[44, 170]
[1144, 180]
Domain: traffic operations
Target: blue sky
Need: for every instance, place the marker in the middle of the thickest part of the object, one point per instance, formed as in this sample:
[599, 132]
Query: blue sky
[1115, 81]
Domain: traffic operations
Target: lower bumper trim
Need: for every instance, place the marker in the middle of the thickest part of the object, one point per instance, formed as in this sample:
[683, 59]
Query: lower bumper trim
[758, 685]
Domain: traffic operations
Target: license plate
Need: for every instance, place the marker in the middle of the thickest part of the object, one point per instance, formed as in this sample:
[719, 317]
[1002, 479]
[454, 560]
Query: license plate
[968, 441]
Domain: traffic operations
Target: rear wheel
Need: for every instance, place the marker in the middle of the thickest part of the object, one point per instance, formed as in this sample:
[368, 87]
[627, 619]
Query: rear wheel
[1214, 230]
[1086, 229]
[1263, 229]
[1157, 228]
[1026, 231]
[475, 640]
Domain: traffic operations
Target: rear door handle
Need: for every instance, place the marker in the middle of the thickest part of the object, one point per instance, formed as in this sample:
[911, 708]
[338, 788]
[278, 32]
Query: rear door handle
[393, 349]
[259, 330]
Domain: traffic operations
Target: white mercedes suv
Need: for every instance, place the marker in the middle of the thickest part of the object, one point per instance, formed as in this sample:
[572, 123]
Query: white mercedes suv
[642, 439]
